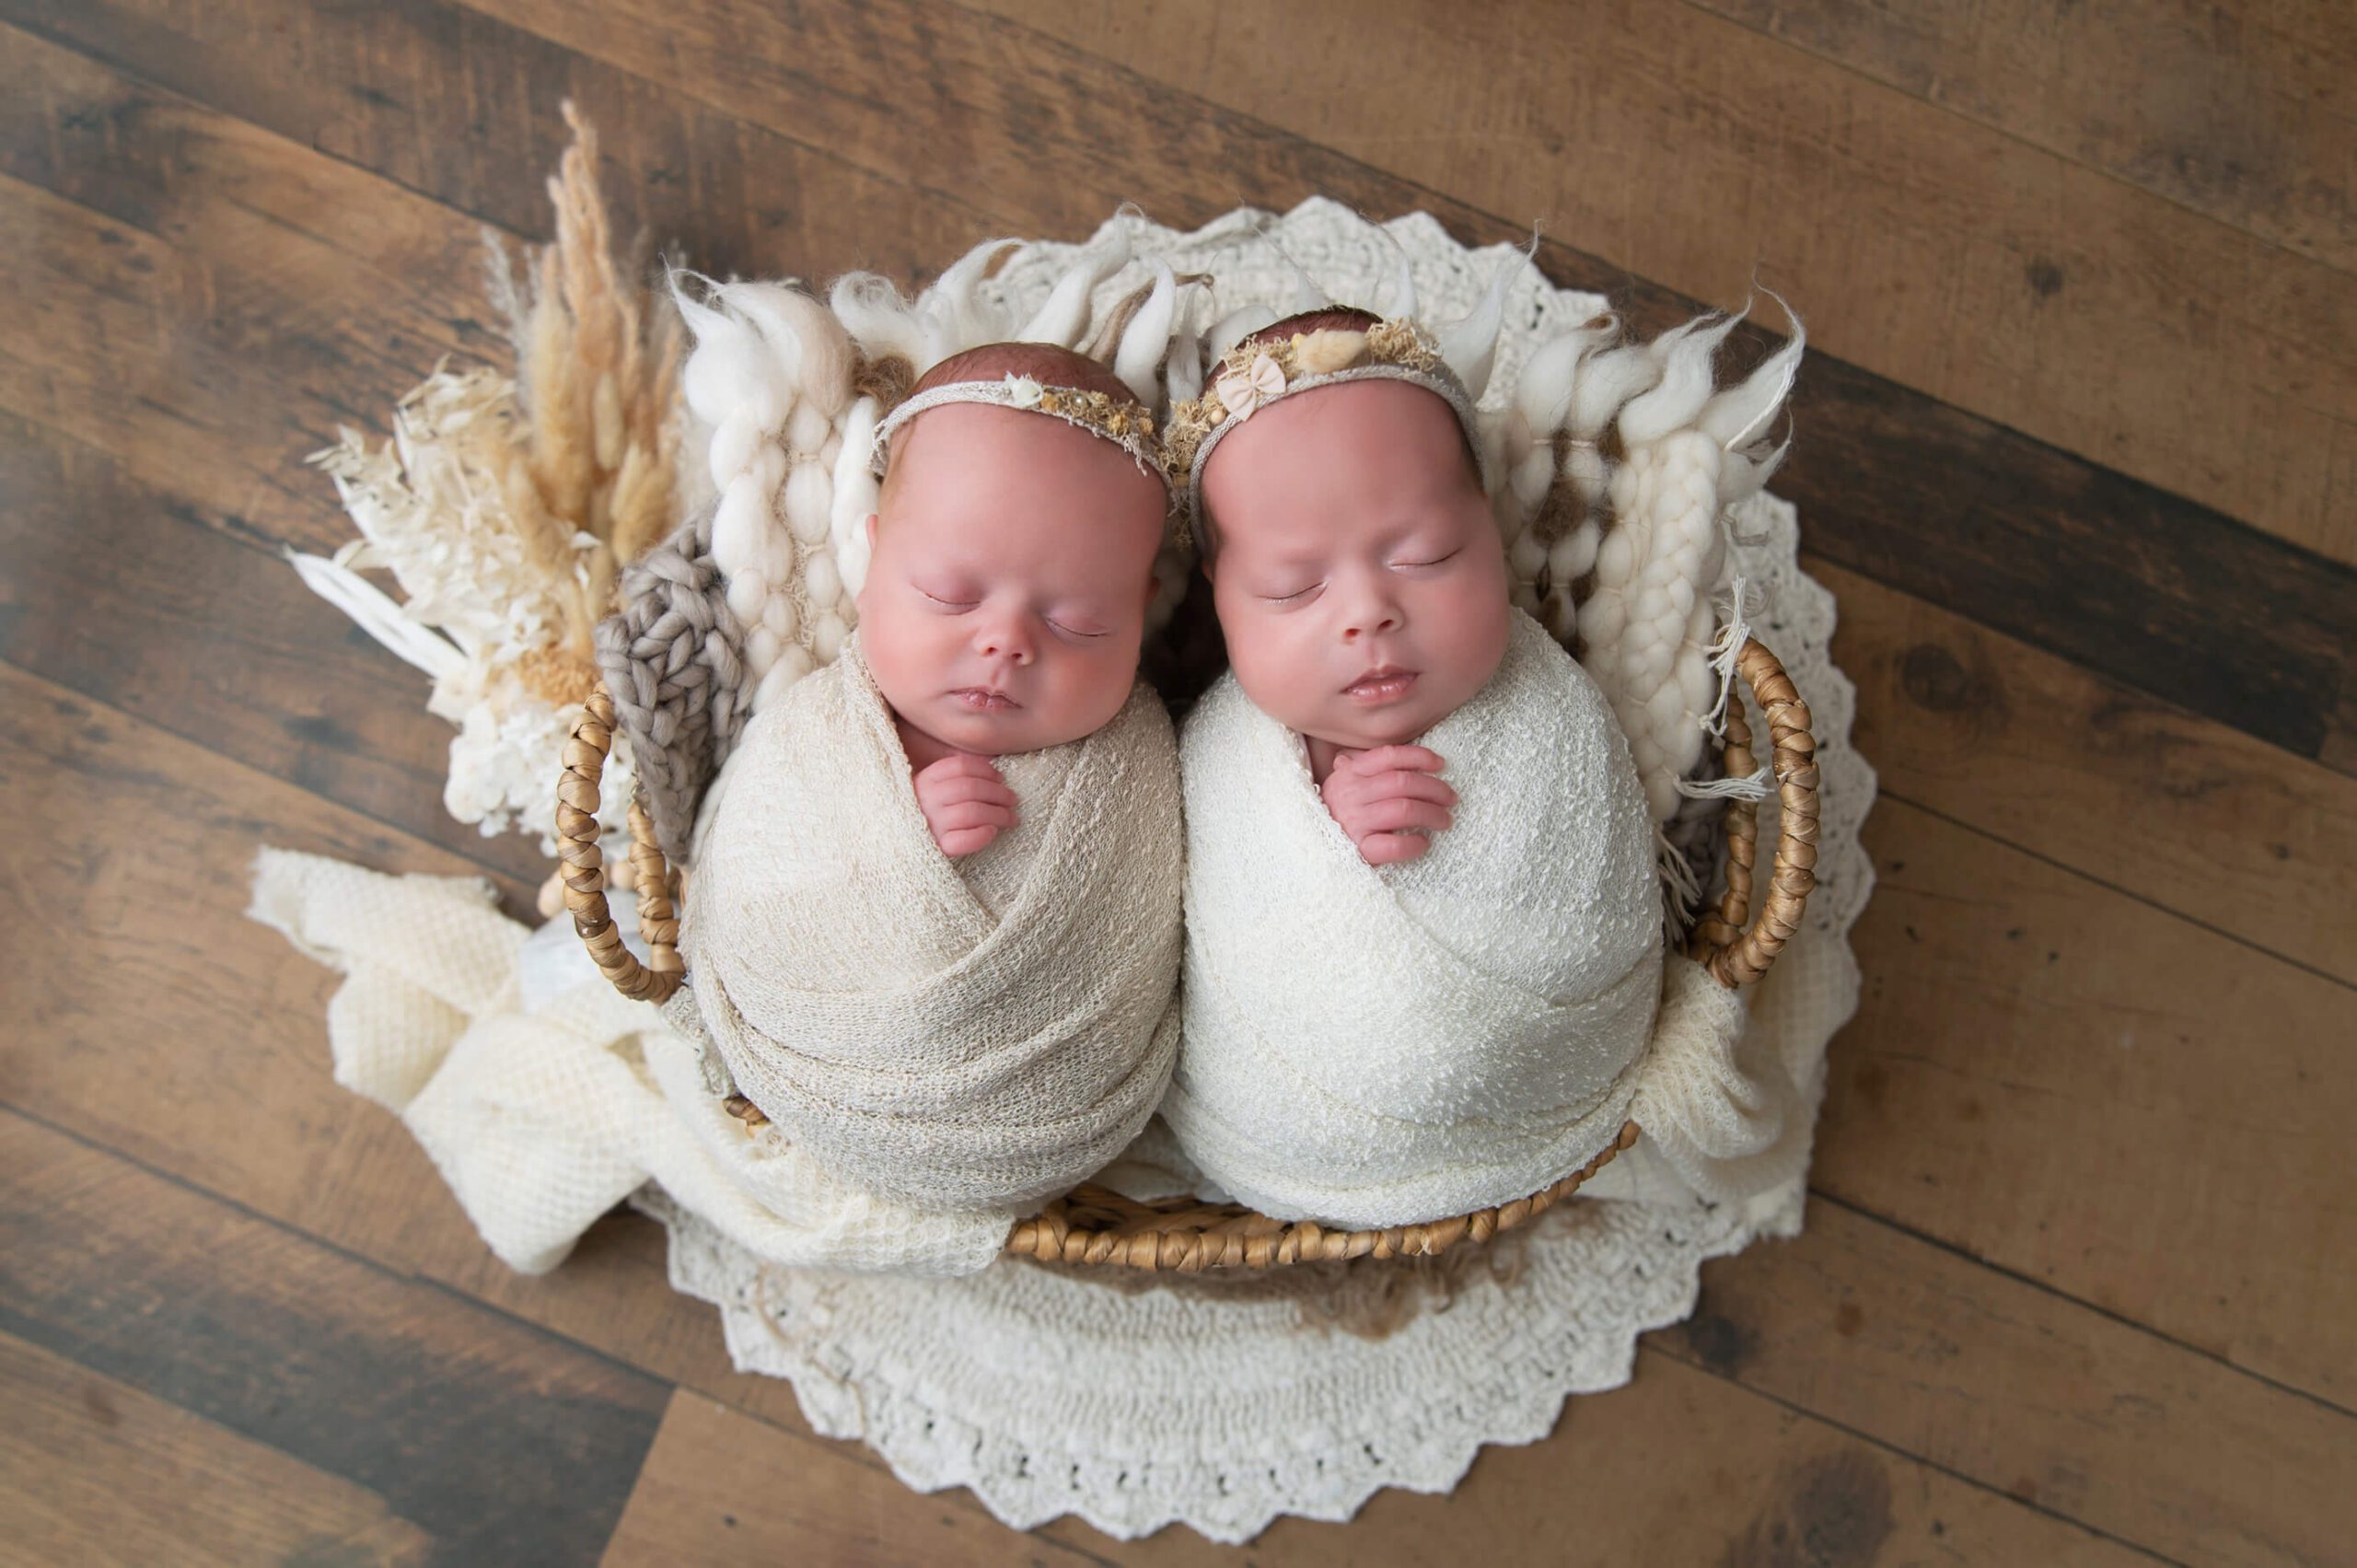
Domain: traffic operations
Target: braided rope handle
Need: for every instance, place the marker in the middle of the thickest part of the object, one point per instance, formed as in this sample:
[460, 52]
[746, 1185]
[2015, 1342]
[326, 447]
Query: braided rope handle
[585, 867]
[1736, 956]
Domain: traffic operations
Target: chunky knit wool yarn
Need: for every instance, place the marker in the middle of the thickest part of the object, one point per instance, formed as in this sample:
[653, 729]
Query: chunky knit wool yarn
[673, 657]
[953, 1034]
[1649, 625]
[790, 391]
[1373, 1046]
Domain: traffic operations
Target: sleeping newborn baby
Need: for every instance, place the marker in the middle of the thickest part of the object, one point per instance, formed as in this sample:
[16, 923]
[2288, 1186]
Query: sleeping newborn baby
[933, 928]
[1423, 932]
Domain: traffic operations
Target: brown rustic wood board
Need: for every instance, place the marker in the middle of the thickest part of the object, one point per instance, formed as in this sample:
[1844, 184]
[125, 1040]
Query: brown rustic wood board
[2077, 451]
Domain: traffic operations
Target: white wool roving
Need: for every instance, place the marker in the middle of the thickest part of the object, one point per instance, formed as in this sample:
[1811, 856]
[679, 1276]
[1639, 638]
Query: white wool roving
[1372, 1047]
[1550, 504]
[770, 377]
[1649, 626]
[953, 1036]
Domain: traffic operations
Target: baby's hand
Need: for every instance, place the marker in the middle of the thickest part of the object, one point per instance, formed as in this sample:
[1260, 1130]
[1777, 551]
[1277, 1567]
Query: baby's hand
[1382, 796]
[965, 802]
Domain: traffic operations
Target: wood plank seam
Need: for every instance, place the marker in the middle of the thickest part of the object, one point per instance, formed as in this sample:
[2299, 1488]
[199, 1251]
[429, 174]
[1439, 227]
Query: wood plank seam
[2047, 1288]
[498, 875]
[2244, 707]
[1899, 1448]
[1651, 1344]
[2228, 703]
[2129, 893]
[1847, 1205]
[2076, 873]
[860, 1452]
[2323, 251]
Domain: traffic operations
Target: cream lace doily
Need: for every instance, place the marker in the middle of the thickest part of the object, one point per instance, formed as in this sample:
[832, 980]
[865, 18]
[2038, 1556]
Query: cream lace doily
[1047, 1392]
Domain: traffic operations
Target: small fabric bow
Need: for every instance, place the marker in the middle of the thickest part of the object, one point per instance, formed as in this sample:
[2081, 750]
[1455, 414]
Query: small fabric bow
[1244, 390]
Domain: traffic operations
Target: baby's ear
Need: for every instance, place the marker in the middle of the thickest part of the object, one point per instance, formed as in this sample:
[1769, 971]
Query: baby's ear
[870, 526]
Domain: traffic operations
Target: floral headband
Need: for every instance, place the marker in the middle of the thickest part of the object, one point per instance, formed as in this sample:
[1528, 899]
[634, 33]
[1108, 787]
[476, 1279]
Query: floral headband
[1251, 375]
[1125, 425]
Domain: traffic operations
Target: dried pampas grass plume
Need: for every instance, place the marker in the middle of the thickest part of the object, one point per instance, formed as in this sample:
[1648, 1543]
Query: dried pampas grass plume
[505, 504]
[597, 367]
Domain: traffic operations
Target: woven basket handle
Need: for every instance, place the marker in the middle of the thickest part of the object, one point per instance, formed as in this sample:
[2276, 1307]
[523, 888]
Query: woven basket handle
[1720, 942]
[585, 867]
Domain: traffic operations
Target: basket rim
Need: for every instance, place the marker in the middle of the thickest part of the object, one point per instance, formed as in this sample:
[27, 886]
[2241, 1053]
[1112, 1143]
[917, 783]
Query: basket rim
[1094, 1224]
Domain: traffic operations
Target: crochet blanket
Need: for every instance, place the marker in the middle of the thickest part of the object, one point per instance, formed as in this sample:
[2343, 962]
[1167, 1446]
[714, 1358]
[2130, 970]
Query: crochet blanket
[1373, 1046]
[950, 1034]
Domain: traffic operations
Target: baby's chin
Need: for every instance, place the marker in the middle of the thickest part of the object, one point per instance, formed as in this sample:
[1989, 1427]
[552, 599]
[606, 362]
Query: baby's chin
[996, 735]
[1365, 732]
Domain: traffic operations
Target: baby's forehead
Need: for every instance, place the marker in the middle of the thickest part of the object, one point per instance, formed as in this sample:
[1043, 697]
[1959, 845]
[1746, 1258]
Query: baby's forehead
[996, 491]
[1364, 455]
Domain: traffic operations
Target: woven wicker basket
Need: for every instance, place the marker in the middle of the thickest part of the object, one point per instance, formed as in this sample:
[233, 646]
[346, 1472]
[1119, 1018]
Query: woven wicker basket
[1095, 1224]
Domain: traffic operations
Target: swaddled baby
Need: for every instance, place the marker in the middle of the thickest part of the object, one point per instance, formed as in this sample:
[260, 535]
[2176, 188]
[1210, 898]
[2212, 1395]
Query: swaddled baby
[1424, 946]
[933, 928]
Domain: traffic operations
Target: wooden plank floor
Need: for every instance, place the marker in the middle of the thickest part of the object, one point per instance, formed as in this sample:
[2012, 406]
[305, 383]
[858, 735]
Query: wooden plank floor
[2078, 455]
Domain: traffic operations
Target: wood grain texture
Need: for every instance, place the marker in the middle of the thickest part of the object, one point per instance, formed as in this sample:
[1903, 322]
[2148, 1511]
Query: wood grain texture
[459, 112]
[93, 1470]
[2106, 1423]
[1995, 274]
[2094, 1094]
[2071, 558]
[264, 1124]
[709, 1495]
[93, 551]
[436, 260]
[2246, 115]
[2095, 776]
[501, 1442]
[2078, 1288]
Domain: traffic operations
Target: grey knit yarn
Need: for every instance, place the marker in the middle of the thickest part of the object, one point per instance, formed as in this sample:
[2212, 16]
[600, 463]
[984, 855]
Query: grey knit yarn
[673, 657]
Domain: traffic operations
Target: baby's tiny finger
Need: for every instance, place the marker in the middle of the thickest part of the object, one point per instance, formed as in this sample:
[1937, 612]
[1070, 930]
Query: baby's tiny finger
[1398, 812]
[1383, 759]
[956, 842]
[1400, 781]
[973, 814]
[965, 786]
[1392, 849]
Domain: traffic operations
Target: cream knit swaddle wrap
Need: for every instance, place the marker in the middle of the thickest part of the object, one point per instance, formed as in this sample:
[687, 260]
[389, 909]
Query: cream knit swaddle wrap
[1372, 1047]
[950, 1034]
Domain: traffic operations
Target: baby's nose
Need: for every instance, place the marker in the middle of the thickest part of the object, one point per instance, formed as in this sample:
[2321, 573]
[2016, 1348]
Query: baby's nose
[1004, 641]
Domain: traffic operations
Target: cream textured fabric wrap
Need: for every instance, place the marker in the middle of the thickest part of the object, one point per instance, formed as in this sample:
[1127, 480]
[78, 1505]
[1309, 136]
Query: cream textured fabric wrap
[954, 1036]
[545, 1097]
[1372, 1046]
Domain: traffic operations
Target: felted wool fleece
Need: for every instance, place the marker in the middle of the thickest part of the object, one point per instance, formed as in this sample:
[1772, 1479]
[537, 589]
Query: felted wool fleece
[953, 1035]
[1373, 1046]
